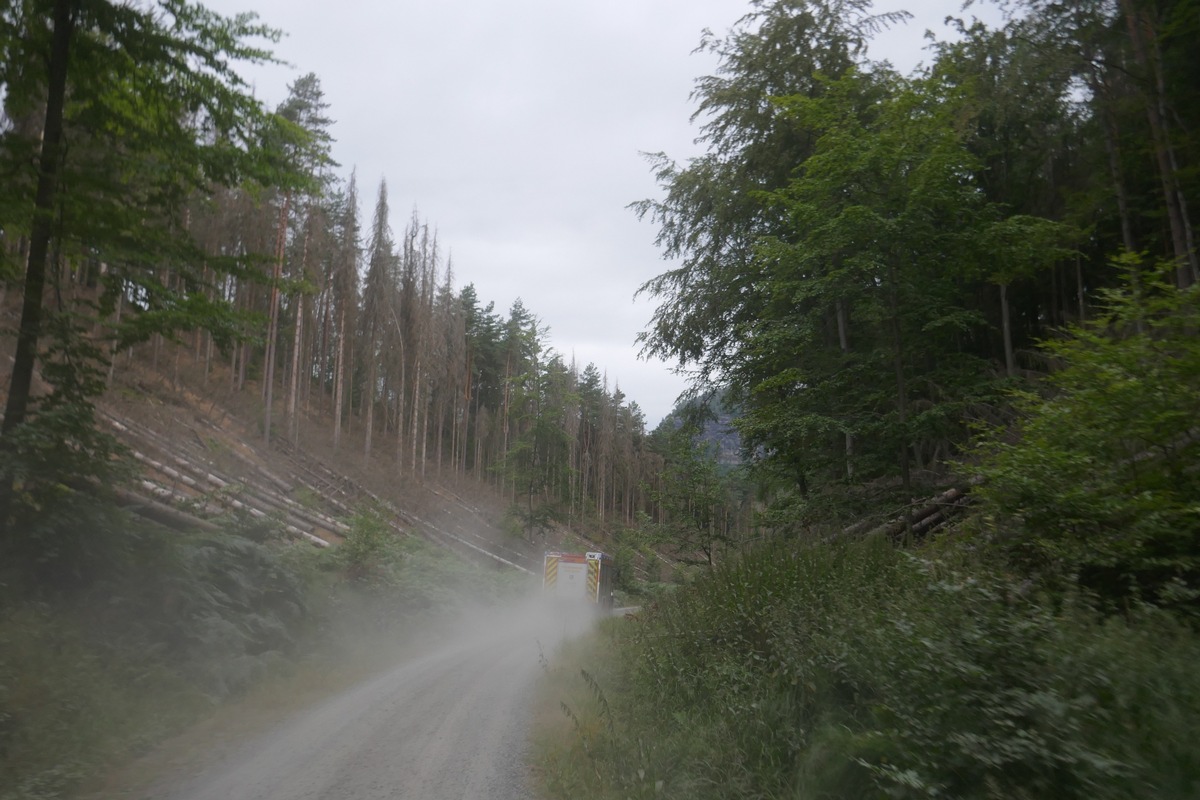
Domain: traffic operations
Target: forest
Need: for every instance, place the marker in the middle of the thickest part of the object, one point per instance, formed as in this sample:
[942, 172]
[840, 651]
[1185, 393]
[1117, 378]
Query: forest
[969, 288]
[868, 262]
[162, 226]
[978, 278]
[158, 211]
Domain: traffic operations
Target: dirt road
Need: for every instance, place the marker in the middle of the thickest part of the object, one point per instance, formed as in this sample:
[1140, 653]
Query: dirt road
[451, 723]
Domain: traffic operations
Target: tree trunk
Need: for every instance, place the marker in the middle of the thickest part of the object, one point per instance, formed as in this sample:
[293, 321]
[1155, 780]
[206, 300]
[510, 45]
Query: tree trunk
[369, 398]
[424, 438]
[1010, 362]
[441, 433]
[273, 319]
[339, 378]
[901, 384]
[208, 351]
[1181, 235]
[112, 353]
[400, 413]
[844, 343]
[21, 383]
[1111, 148]
[415, 413]
[1079, 287]
[297, 347]
[326, 317]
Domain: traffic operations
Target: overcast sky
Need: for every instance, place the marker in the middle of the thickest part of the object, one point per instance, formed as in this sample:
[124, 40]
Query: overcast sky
[516, 129]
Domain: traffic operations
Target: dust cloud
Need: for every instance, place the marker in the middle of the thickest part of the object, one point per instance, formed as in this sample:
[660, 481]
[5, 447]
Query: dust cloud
[533, 619]
[448, 718]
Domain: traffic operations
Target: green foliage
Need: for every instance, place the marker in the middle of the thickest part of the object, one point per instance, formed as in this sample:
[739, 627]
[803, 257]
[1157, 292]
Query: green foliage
[69, 541]
[155, 115]
[158, 111]
[578, 739]
[391, 576]
[365, 550]
[869, 259]
[629, 546]
[1102, 476]
[885, 228]
[237, 611]
[70, 702]
[60, 452]
[124, 633]
[858, 670]
[840, 285]
[699, 505]
[862, 257]
[530, 520]
[542, 395]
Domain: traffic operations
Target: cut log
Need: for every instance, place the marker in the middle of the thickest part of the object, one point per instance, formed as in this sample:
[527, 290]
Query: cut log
[161, 513]
[920, 519]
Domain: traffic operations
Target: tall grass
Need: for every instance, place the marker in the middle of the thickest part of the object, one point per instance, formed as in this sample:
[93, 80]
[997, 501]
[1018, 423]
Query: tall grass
[858, 670]
[578, 740]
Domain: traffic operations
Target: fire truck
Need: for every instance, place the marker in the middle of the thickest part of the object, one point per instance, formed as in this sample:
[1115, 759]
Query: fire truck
[579, 576]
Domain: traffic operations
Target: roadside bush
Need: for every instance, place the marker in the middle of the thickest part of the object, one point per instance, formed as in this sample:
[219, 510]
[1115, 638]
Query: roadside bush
[857, 670]
[1102, 484]
[145, 630]
[365, 553]
[70, 704]
[382, 582]
[129, 639]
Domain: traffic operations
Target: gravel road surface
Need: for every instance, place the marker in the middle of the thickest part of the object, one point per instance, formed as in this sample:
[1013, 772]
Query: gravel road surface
[452, 723]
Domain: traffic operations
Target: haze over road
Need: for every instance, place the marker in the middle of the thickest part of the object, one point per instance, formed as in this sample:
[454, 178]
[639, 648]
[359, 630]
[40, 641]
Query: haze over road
[452, 723]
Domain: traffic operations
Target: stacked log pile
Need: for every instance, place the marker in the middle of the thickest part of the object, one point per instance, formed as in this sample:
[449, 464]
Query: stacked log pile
[182, 486]
[918, 520]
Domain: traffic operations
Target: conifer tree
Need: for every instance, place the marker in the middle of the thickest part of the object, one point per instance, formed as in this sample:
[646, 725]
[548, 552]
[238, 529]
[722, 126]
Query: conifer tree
[377, 305]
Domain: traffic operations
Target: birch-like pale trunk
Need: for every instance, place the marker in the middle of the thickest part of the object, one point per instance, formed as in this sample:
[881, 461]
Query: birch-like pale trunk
[273, 319]
[339, 378]
[369, 399]
[297, 351]
[412, 468]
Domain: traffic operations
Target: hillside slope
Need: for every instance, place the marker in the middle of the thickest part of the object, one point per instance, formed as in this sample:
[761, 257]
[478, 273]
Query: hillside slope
[201, 457]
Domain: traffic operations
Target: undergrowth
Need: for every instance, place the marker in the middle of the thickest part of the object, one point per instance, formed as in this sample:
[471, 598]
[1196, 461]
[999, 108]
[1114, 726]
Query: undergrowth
[106, 651]
[577, 739]
[858, 670]
[1047, 649]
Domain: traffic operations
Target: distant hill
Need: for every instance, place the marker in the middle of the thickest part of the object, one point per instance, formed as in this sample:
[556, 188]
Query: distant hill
[716, 427]
[721, 433]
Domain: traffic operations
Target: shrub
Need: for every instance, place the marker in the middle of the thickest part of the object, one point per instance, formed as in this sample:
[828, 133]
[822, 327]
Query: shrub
[1103, 480]
[857, 670]
[158, 627]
